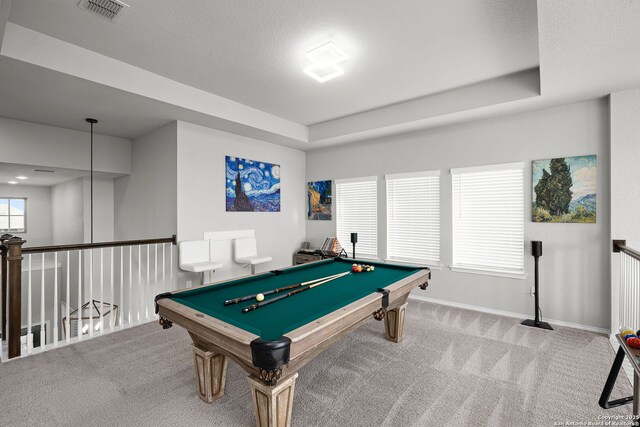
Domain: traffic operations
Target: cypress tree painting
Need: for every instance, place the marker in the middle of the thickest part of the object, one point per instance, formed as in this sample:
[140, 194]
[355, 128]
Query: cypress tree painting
[564, 189]
[252, 186]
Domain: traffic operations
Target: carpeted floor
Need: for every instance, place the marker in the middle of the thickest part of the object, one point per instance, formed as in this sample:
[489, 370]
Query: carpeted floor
[454, 367]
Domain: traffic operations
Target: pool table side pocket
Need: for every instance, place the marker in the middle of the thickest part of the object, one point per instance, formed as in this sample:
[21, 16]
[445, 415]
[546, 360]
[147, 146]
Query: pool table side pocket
[308, 340]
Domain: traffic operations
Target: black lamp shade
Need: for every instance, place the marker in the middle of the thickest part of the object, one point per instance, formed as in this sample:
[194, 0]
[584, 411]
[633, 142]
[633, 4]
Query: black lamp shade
[536, 248]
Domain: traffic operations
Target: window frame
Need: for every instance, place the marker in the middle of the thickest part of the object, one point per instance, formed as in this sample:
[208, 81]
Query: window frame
[347, 245]
[488, 270]
[434, 263]
[24, 215]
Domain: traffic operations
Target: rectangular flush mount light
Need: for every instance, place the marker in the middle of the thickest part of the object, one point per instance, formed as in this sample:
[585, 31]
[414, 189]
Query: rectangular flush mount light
[325, 59]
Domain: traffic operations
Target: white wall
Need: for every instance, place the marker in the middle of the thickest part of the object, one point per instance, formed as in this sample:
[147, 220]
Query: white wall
[67, 212]
[103, 209]
[38, 212]
[145, 201]
[625, 176]
[201, 191]
[42, 145]
[575, 265]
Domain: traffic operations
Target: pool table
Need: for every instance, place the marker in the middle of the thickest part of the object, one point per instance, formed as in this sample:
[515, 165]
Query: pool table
[273, 342]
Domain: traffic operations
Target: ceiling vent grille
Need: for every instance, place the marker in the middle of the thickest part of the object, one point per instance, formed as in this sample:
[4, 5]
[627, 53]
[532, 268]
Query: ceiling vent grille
[43, 170]
[108, 9]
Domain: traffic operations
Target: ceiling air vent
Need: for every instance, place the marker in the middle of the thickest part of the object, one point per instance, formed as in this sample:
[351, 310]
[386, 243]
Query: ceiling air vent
[43, 170]
[108, 9]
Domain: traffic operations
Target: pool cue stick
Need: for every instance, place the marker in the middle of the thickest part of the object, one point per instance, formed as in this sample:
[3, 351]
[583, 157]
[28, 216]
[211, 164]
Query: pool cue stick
[289, 294]
[284, 288]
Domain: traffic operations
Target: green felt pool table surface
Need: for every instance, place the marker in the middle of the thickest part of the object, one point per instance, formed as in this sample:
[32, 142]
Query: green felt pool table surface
[274, 320]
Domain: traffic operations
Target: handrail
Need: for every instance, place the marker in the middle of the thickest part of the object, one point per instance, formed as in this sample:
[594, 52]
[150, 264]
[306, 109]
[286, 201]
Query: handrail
[621, 246]
[79, 246]
[11, 253]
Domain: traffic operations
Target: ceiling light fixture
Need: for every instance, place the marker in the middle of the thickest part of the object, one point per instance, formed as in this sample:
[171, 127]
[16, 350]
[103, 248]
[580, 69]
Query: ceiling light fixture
[13, 182]
[22, 177]
[325, 59]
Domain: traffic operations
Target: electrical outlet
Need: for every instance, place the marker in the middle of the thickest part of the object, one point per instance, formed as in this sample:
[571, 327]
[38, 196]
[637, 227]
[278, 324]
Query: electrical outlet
[189, 283]
[532, 291]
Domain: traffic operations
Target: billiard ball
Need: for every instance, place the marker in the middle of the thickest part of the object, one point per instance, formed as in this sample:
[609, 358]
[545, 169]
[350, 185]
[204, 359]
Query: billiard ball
[625, 332]
[260, 297]
[634, 342]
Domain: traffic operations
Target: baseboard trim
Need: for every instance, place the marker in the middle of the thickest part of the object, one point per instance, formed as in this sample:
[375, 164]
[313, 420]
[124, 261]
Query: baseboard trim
[510, 314]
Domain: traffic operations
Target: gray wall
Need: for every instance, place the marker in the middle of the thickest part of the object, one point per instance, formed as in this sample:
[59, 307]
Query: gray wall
[35, 144]
[145, 201]
[201, 191]
[67, 213]
[38, 211]
[575, 265]
[625, 176]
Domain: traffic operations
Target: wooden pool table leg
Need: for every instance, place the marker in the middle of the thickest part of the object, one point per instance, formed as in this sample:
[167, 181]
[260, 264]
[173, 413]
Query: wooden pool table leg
[394, 323]
[211, 371]
[272, 404]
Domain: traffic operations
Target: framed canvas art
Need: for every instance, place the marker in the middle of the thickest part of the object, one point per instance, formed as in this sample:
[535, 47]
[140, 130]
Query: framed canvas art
[319, 200]
[564, 190]
[252, 186]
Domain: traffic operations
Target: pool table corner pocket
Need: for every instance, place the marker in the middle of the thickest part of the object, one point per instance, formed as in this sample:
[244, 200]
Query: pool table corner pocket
[269, 356]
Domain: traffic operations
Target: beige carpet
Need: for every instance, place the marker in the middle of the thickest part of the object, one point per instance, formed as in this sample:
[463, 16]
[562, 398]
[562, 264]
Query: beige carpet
[455, 367]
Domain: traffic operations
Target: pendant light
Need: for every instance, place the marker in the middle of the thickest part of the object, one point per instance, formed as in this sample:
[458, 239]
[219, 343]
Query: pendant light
[91, 122]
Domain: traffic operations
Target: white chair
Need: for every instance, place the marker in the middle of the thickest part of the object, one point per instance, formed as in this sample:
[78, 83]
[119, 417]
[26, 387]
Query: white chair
[194, 257]
[245, 251]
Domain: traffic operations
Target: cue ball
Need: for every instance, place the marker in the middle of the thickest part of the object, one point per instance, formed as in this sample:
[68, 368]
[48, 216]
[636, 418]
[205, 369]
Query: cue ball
[260, 297]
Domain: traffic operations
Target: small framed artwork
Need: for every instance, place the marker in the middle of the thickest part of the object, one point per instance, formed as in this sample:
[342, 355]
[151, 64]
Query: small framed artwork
[319, 200]
[252, 186]
[564, 189]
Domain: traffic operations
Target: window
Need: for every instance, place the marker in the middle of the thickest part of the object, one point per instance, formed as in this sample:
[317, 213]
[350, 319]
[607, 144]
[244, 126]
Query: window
[13, 215]
[488, 219]
[357, 212]
[413, 217]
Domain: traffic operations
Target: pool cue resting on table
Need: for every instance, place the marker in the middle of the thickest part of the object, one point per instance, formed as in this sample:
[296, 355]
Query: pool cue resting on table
[294, 292]
[284, 288]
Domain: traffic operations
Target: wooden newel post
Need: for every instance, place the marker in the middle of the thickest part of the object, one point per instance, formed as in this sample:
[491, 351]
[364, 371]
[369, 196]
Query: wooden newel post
[14, 257]
[3, 284]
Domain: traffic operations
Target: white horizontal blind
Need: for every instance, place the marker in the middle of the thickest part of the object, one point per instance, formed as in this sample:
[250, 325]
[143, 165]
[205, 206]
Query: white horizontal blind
[413, 217]
[357, 212]
[488, 218]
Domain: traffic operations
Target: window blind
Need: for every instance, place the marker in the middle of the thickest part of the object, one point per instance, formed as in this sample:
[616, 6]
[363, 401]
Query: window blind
[488, 218]
[357, 212]
[413, 217]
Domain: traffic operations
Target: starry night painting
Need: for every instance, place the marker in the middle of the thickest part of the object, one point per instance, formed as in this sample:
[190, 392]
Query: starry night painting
[252, 186]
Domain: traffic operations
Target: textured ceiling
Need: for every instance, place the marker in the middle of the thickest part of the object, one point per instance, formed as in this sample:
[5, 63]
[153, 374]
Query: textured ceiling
[252, 51]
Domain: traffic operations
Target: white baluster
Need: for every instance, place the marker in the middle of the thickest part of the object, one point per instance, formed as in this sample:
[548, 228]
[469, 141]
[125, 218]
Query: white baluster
[29, 332]
[121, 308]
[636, 306]
[171, 266]
[130, 283]
[164, 282]
[146, 290]
[55, 298]
[113, 297]
[90, 311]
[101, 314]
[139, 281]
[155, 283]
[42, 299]
[68, 325]
[79, 311]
